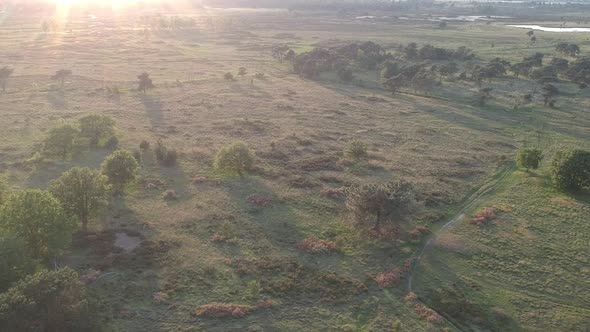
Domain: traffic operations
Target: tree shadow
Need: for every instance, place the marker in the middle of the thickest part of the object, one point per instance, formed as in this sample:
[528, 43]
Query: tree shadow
[57, 99]
[153, 108]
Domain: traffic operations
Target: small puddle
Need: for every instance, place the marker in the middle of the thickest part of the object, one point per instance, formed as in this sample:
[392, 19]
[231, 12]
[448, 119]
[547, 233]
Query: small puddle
[126, 242]
[548, 29]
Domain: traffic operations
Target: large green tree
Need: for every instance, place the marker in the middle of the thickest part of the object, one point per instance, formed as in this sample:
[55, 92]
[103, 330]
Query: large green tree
[97, 128]
[48, 301]
[571, 169]
[81, 192]
[15, 262]
[60, 139]
[38, 218]
[120, 168]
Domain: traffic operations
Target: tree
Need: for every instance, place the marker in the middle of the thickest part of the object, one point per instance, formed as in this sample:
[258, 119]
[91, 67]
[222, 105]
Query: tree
[236, 158]
[81, 192]
[569, 49]
[120, 168]
[38, 218]
[242, 71]
[483, 95]
[570, 169]
[61, 76]
[60, 139]
[373, 204]
[228, 76]
[47, 301]
[549, 90]
[529, 158]
[144, 82]
[96, 128]
[15, 262]
[5, 74]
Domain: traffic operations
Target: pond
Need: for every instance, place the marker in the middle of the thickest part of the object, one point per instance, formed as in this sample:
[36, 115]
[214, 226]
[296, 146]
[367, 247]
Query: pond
[548, 29]
[126, 242]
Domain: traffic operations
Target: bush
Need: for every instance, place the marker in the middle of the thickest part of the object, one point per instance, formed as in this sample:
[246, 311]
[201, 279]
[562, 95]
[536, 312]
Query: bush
[259, 76]
[571, 170]
[357, 151]
[47, 301]
[228, 76]
[529, 158]
[483, 217]
[144, 145]
[112, 143]
[223, 310]
[235, 158]
[314, 245]
[164, 155]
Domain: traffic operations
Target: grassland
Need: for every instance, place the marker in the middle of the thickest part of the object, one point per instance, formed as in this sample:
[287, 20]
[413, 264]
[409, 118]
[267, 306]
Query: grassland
[532, 262]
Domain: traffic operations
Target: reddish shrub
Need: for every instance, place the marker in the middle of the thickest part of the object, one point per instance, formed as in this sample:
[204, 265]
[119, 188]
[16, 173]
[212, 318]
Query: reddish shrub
[333, 193]
[387, 279]
[483, 217]
[223, 310]
[259, 201]
[217, 238]
[428, 314]
[418, 231]
[199, 180]
[266, 303]
[410, 297]
[314, 245]
[161, 297]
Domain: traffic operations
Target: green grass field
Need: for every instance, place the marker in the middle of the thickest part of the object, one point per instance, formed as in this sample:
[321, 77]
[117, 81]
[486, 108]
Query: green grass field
[528, 270]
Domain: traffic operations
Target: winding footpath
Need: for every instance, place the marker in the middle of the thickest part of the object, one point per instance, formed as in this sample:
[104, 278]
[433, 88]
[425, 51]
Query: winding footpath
[467, 205]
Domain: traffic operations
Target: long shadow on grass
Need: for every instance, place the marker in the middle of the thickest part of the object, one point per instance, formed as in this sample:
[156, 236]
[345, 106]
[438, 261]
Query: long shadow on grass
[153, 108]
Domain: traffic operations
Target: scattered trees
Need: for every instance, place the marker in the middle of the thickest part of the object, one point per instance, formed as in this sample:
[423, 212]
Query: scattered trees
[373, 204]
[144, 82]
[97, 128]
[81, 192]
[235, 158]
[529, 158]
[568, 49]
[60, 139]
[570, 169]
[61, 76]
[5, 74]
[120, 168]
[38, 218]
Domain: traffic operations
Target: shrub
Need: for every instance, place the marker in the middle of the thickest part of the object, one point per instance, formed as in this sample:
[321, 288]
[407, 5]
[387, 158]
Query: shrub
[259, 201]
[570, 170]
[410, 297]
[389, 278]
[164, 155]
[144, 145]
[144, 82]
[314, 245]
[235, 158]
[357, 151]
[428, 314]
[120, 168]
[228, 76]
[418, 231]
[223, 310]
[483, 216]
[259, 76]
[529, 158]
[253, 291]
[242, 71]
[170, 195]
[38, 218]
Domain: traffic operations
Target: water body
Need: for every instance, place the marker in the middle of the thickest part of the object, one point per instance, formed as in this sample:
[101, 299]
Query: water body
[549, 29]
[126, 242]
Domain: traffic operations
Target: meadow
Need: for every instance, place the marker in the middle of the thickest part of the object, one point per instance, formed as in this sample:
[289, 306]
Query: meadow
[224, 253]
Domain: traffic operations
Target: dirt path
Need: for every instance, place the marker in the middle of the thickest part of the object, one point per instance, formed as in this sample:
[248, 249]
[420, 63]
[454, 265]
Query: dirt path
[467, 204]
